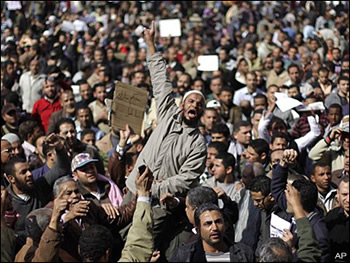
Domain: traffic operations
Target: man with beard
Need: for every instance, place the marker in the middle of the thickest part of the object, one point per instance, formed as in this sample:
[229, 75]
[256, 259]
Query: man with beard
[183, 85]
[27, 194]
[44, 107]
[176, 150]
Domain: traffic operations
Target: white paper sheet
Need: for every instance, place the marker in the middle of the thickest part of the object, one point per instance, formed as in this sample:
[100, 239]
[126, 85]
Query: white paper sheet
[208, 63]
[14, 5]
[285, 103]
[170, 27]
[277, 226]
[313, 106]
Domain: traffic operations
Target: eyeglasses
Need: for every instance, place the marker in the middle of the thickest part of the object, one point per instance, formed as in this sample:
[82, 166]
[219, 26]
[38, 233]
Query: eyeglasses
[9, 150]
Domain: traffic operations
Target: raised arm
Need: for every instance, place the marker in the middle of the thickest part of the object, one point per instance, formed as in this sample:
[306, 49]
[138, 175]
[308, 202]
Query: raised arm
[308, 138]
[308, 250]
[280, 176]
[63, 163]
[139, 242]
[162, 87]
[320, 150]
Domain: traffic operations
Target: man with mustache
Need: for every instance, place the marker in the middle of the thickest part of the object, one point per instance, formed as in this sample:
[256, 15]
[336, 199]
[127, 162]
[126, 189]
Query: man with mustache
[212, 246]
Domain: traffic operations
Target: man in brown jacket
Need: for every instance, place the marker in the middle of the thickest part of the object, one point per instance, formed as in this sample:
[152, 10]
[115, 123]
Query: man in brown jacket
[44, 234]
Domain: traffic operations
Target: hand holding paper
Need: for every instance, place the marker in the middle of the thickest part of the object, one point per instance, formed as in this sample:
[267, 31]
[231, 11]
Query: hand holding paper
[278, 225]
[285, 103]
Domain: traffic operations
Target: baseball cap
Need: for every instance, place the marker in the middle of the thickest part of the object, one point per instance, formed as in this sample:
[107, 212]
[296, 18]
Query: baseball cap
[7, 108]
[213, 104]
[81, 159]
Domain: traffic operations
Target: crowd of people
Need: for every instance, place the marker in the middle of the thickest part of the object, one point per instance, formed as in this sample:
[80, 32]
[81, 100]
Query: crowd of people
[225, 168]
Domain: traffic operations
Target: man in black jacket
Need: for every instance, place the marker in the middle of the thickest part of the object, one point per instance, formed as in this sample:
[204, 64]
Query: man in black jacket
[309, 195]
[27, 194]
[211, 246]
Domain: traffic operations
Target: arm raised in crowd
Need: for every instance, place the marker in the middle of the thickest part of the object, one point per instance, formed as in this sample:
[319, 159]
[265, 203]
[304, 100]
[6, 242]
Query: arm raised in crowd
[63, 163]
[162, 86]
[139, 242]
[308, 250]
[279, 177]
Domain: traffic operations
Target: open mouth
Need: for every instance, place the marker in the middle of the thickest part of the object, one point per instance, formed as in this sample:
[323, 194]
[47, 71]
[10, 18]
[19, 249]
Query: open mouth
[192, 114]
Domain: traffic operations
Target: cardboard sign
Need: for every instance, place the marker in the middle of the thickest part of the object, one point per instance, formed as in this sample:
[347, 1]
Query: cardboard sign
[170, 27]
[208, 63]
[128, 107]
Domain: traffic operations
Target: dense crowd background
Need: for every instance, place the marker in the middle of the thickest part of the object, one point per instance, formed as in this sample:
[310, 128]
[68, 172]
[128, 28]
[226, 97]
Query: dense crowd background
[59, 64]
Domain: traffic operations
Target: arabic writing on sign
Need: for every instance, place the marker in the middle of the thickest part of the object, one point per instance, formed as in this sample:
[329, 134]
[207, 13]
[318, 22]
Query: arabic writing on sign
[133, 100]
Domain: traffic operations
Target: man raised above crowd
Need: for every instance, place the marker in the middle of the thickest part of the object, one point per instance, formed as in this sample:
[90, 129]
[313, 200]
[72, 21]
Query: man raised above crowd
[176, 150]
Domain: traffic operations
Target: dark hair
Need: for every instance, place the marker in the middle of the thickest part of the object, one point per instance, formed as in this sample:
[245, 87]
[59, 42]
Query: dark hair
[219, 146]
[27, 128]
[203, 208]
[318, 164]
[293, 66]
[227, 159]
[308, 194]
[342, 77]
[275, 250]
[99, 84]
[222, 129]
[260, 96]
[82, 82]
[9, 168]
[261, 184]
[323, 69]
[253, 50]
[94, 242]
[47, 148]
[259, 111]
[294, 86]
[237, 125]
[87, 131]
[200, 195]
[226, 88]
[279, 135]
[216, 77]
[279, 60]
[275, 120]
[336, 106]
[63, 121]
[260, 146]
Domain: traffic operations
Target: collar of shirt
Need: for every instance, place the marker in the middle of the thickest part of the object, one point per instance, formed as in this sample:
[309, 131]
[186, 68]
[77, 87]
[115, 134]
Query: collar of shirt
[28, 146]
